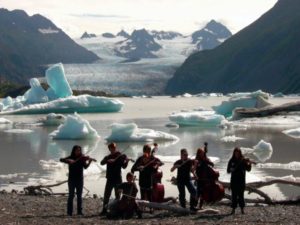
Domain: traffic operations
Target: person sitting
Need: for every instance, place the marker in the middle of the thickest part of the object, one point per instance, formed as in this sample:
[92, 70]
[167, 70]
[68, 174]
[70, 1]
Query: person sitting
[184, 168]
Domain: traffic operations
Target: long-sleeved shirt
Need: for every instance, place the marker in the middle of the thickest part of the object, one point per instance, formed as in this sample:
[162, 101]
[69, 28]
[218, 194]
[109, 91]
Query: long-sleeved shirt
[75, 169]
[238, 169]
[184, 171]
[113, 171]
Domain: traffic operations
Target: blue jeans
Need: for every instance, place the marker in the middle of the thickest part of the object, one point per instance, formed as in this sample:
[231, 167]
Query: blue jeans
[78, 185]
[192, 190]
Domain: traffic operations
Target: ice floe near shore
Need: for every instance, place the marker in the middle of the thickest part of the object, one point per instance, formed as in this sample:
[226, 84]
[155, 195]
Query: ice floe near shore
[199, 118]
[52, 119]
[294, 133]
[57, 98]
[76, 128]
[231, 138]
[285, 166]
[131, 133]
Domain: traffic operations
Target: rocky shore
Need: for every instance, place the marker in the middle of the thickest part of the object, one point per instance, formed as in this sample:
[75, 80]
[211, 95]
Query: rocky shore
[20, 209]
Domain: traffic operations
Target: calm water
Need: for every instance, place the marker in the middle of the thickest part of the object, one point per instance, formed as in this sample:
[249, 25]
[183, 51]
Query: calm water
[21, 153]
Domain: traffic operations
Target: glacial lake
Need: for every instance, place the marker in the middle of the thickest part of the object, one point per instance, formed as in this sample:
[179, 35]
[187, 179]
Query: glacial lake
[31, 157]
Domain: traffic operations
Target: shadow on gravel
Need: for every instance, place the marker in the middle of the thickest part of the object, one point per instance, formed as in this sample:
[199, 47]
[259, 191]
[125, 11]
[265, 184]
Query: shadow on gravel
[60, 216]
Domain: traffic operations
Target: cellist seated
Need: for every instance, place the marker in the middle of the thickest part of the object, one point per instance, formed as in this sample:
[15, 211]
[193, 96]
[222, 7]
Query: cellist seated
[126, 207]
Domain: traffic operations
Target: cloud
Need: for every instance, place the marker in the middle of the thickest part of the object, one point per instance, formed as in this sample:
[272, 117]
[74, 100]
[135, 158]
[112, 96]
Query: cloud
[89, 15]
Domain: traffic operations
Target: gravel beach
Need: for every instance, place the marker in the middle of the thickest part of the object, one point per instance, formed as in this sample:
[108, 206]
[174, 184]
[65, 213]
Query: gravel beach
[20, 209]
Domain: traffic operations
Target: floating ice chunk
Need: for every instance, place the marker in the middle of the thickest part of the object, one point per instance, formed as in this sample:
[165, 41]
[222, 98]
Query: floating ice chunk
[75, 127]
[187, 95]
[295, 133]
[52, 119]
[36, 94]
[131, 133]
[14, 175]
[201, 118]
[7, 101]
[232, 138]
[246, 100]
[80, 104]
[57, 81]
[19, 131]
[172, 125]
[263, 150]
[5, 121]
[94, 169]
[289, 178]
[285, 166]
[50, 164]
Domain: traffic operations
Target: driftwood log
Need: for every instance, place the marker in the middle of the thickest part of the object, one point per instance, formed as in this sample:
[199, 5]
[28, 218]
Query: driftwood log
[270, 110]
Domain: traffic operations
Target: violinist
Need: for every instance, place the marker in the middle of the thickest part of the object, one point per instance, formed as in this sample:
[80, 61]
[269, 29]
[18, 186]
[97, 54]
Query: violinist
[114, 162]
[77, 162]
[238, 166]
[203, 176]
[127, 206]
[184, 168]
[146, 165]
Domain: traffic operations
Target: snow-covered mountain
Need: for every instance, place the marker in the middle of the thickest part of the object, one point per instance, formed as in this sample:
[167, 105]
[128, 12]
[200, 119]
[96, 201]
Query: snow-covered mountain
[87, 35]
[165, 35]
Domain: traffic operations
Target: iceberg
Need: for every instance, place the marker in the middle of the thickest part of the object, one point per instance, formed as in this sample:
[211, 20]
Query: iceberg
[255, 99]
[232, 138]
[19, 131]
[56, 79]
[75, 128]
[52, 119]
[57, 99]
[131, 133]
[36, 94]
[5, 121]
[294, 133]
[200, 118]
[262, 151]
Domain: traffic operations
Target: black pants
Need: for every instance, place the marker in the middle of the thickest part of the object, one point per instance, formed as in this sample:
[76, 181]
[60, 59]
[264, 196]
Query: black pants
[237, 194]
[78, 185]
[146, 193]
[109, 186]
[192, 190]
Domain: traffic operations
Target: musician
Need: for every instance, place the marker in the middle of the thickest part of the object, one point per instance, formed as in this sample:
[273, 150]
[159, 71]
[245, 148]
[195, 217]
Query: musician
[127, 206]
[76, 163]
[184, 168]
[203, 176]
[205, 148]
[114, 162]
[146, 165]
[155, 149]
[238, 166]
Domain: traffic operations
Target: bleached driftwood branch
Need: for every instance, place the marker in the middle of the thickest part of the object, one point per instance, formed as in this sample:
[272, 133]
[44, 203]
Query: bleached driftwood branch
[42, 189]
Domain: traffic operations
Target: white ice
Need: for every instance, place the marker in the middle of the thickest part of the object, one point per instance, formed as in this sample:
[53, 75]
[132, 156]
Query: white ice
[75, 128]
[131, 133]
[18, 131]
[286, 166]
[294, 133]
[5, 121]
[289, 178]
[231, 138]
[245, 100]
[57, 81]
[262, 151]
[36, 93]
[52, 119]
[201, 118]
[50, 164]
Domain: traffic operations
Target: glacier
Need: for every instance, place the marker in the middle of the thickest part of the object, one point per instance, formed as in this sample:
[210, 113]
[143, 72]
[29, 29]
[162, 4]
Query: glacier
[57, 98]
[199, 118]
[131, 133]
[75, 128]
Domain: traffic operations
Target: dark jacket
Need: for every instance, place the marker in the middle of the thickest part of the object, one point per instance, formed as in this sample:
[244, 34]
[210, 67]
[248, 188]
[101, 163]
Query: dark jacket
[128, 189]
[184, 171]
[113, 171]
[75, 169]
[203, 169]
[238, 169]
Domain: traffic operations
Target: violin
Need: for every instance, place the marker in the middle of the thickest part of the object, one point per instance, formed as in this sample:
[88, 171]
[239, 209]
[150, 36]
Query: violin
[247, 160]
[86, 158]
[122, 155]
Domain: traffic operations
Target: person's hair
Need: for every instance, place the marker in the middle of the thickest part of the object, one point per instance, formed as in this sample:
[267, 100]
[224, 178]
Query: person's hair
[155, 144]
[129, 175]
[74, 149]
[237, 149]
[146, 148]
[112, 145]
[205, 143]
[199, 150]
[183, 151]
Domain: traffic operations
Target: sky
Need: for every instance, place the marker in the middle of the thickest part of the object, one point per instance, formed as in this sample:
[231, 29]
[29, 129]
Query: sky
[185, 16]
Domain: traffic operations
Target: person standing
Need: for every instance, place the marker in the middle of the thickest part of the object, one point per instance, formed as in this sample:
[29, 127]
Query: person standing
[184, 168]
[237, 167]
[76, 163]
[202, 164]
[147, 166]
[114, 162]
